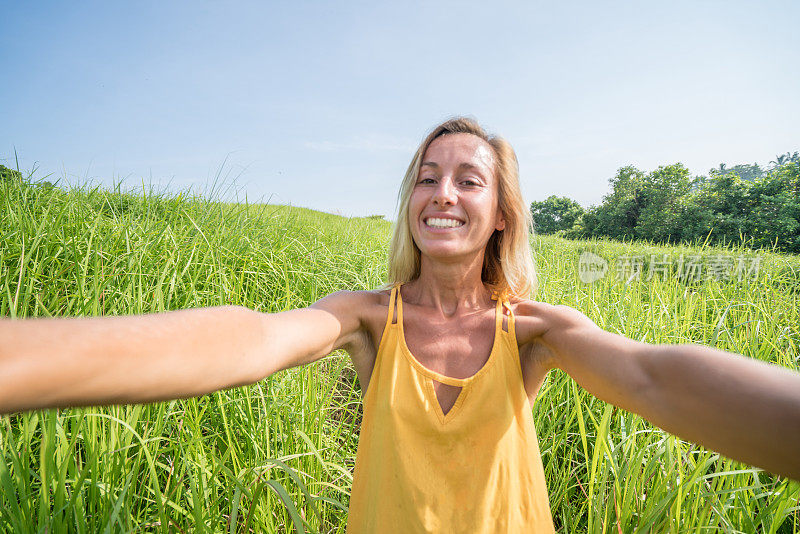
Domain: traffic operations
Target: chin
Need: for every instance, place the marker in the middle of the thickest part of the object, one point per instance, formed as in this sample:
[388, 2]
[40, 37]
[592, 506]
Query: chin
[443, 251]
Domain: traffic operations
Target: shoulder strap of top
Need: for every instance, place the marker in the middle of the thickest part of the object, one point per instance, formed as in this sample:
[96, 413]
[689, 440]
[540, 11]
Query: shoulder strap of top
[399, 301]
[503, 302]
[395, 297]
[498, 313]
[511, 331]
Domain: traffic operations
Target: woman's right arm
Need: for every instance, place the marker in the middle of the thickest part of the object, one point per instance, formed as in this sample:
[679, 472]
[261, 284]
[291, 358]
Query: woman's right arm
[51, 363]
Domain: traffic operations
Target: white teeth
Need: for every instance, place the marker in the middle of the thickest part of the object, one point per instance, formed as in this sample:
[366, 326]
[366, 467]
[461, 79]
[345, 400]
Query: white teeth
[443, 223]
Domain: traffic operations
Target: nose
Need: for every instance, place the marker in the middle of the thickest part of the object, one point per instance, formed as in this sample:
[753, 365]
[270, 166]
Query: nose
[445, 193]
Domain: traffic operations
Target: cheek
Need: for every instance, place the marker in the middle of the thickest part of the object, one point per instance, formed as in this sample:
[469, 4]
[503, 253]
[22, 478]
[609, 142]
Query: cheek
[415, 204]
[414, 210]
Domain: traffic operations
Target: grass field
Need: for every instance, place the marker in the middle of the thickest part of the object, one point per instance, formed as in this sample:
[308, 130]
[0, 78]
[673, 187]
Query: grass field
[278, 456]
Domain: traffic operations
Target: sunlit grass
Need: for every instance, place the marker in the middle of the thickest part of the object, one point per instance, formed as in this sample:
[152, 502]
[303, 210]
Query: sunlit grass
[278, 456]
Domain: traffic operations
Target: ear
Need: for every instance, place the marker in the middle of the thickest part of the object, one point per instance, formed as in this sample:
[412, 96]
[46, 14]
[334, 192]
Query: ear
[500, 221]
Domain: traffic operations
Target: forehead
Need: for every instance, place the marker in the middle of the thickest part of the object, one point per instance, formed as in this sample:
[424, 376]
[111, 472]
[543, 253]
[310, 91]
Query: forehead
[454, 149]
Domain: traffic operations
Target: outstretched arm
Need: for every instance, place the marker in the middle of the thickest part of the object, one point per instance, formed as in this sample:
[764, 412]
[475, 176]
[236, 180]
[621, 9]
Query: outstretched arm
[47, 363]
[744, 408]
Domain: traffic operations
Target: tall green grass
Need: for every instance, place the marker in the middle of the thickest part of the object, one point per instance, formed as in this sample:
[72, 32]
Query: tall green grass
[278, 456]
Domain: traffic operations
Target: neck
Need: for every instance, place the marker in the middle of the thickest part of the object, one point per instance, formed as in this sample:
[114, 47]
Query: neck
[450, 288]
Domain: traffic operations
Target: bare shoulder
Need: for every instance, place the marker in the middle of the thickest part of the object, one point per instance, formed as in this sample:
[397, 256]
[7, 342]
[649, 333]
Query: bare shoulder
[352, 308]
[535, 318]
[360, 312]
[529, 308]
[362, 315]
[347, 300]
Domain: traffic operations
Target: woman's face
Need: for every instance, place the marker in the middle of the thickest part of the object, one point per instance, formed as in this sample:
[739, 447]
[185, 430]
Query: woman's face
[453, 209]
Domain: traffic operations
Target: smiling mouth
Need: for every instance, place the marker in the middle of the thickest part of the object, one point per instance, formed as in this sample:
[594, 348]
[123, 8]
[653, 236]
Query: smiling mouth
[438, 222]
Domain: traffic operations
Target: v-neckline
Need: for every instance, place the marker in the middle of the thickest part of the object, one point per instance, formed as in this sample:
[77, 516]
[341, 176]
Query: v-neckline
[431, 375]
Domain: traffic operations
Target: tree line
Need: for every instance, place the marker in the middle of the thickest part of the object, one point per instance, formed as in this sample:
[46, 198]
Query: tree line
[741, 204]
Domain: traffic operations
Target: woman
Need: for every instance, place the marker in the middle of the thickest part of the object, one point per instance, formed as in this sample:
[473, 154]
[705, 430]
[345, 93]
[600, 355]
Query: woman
[450, 356]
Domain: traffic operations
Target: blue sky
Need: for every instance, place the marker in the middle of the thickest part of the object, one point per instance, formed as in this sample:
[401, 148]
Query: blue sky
[322, 104]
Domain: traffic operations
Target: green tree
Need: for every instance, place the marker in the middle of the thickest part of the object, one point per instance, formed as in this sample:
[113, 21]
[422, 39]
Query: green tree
[666, 205]
[618, 214]
[775, 209]
[555, 214]
[781, 159]
[660, 214]
[721, 207]
[644, 206]
[748, 172]
[745, 171]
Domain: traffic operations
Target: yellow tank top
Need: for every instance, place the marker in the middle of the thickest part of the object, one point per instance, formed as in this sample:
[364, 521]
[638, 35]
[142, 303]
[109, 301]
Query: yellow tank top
[476, 469]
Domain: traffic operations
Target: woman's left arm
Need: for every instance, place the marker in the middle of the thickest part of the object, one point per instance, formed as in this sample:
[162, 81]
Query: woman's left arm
[744, 408]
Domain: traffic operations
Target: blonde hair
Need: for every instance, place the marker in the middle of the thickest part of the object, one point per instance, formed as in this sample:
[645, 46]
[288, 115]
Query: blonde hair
[508, 266]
